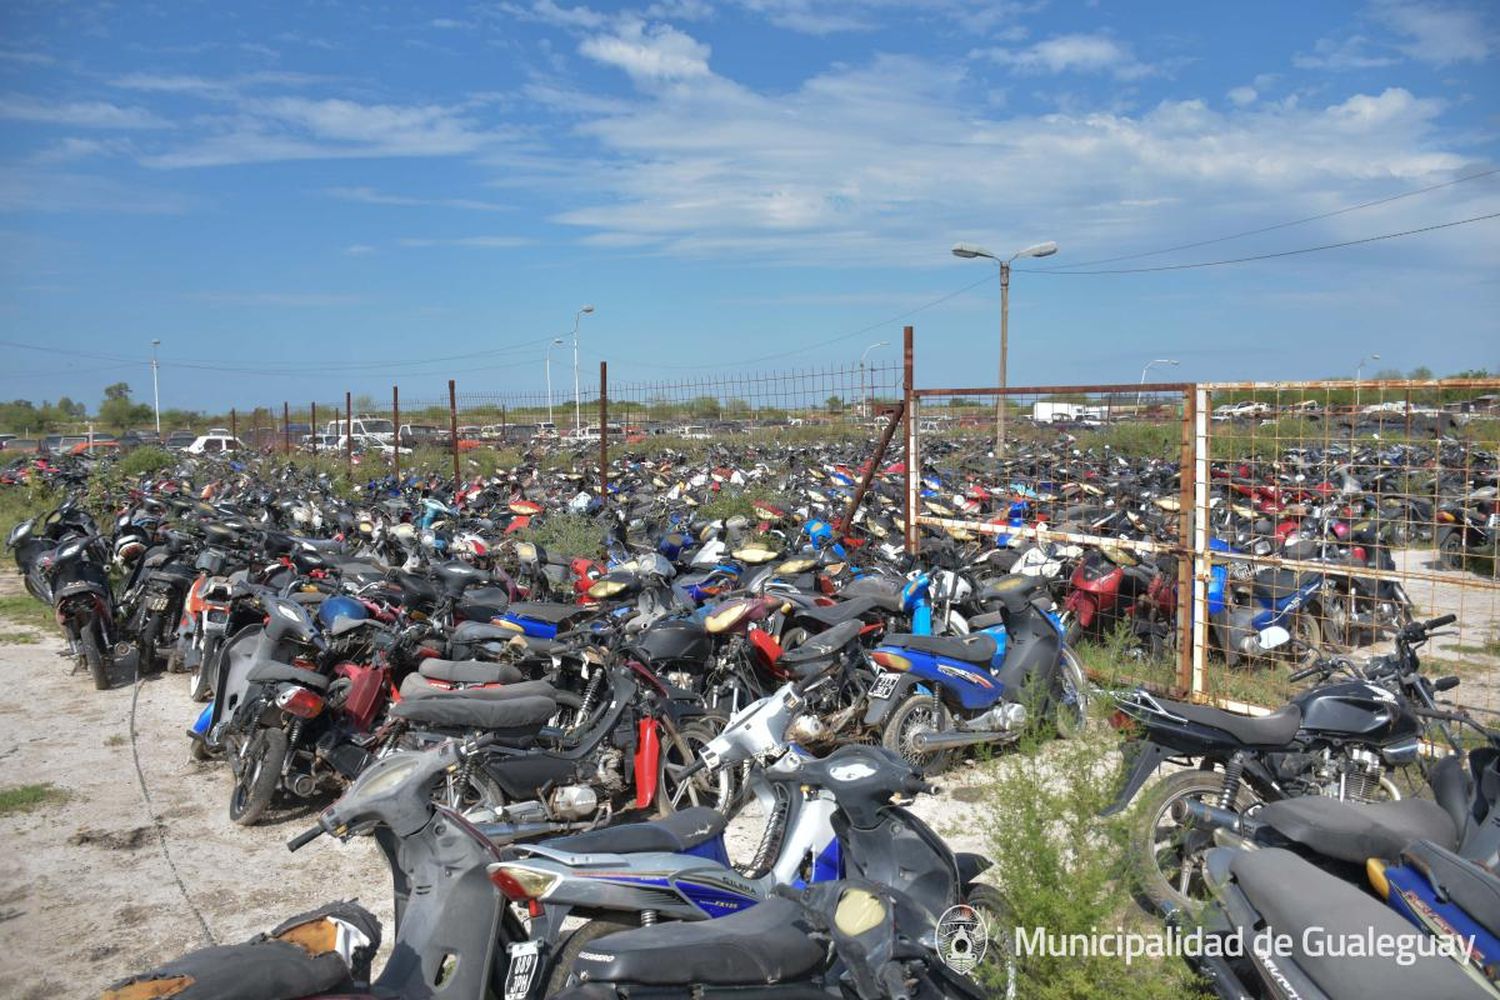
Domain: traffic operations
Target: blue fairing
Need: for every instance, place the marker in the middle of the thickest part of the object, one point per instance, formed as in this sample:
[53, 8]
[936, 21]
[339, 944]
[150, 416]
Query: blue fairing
[712, 849]
[1411, 893]
[828, 866]
[714, 901]
[532, 627]
[205, 717]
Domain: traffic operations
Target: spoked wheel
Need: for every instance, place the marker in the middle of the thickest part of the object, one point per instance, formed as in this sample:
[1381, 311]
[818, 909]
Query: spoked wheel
[996, 970]
[203, 678]
[257, 776]
[1307, 640]
[919, 713]
[1168, 853]
[1451, 551]
[475, 795]
[1070, 707]
[673, 792]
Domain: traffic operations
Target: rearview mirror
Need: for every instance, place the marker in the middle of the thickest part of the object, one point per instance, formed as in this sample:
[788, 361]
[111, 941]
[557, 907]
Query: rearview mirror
[1274, 637]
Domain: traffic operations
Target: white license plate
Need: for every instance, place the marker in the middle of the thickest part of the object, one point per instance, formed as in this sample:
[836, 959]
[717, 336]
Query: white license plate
[885, 684]
[157, 602]
[524, 958]
[1495, 520]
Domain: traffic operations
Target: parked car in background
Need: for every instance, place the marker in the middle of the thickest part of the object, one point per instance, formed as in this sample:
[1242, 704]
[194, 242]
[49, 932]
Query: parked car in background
[422, 435]
[214, 442]
[177, 440]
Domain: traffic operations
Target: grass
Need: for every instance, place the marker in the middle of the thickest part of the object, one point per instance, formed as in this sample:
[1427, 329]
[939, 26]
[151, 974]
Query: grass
[1063, 868]
[1490, 648]
[567, 535]
[23, 609]
[1115, 661]
[25, 798]
[18, 638]
[117, 740]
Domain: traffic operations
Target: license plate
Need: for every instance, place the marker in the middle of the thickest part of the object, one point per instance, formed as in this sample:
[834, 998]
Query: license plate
[1495, 520]
[524, 958]
[157, 602]
[885, 684]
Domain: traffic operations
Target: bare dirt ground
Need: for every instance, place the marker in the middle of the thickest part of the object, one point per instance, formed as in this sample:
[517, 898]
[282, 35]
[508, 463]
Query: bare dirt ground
[89, 885]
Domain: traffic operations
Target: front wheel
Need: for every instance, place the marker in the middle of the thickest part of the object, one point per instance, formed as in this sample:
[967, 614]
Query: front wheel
[919, 713]
[996, 970]
[258, 775]
[714, 790]
[1070, 705]
[94, 656]
[1168, 853]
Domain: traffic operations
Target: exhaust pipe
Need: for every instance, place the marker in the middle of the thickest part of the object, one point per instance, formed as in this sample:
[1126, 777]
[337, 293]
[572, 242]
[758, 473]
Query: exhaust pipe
[949, 740]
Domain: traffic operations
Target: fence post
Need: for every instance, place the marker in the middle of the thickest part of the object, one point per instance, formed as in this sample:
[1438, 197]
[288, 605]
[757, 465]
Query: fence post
[1202, 406]
[312, 426]
[395, 441]
[1187, 558]
[604, 430]
[286, 429]
[913, 456]
[234, 425]
[348, 434]
[255, 429]
[453, 427]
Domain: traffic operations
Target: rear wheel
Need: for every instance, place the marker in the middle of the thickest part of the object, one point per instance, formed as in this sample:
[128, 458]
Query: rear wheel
[94, 656]
[919, 713]
[145, 656]
[1307, 640]
[715, 790]
[1167, 853]
[203, 679]
[258, 775]
[562, 975]
[1451, 550]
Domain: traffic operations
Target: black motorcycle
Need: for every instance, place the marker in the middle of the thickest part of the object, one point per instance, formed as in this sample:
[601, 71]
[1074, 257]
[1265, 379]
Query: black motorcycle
[69, 572]
[1338, 739]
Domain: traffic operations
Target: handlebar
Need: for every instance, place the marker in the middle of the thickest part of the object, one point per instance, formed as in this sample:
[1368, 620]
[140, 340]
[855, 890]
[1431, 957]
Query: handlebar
[1302, 675]
[305, 837]
[1440, 621]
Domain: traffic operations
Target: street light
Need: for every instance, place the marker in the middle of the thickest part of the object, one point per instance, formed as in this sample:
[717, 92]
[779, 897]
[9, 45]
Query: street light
[1359, 371]
[863, 397]
[577, 399]
[1157, 361]
[155, 390]
[556, 342]
[968, 251]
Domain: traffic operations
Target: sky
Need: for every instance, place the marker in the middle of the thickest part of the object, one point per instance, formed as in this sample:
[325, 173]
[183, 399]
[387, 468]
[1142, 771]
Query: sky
[314, 197]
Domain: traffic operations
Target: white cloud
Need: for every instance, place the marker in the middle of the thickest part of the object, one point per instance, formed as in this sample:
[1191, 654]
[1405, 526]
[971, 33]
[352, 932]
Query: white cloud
[474, 242]
[77, 114]
[1242, 96]
[26, 189]
[1437, 33]
[1092, 53]
[370, 196]
[1353, 52]
[359, 249]
[549, 12]
[657, 53]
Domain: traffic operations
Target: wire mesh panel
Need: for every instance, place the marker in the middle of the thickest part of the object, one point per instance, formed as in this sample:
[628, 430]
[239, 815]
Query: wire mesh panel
[1079, 486]
[1341, 511]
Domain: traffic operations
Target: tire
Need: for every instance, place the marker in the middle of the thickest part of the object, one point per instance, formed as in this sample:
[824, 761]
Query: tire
[1307, 634]
[205, 676]
[1451, 550]
[793, 637]
[198, 751]
[996, 971]
[1070, 705]
[716, 791]
[918, 713]
[480, 792]
[95, 657]
[145, 649]
[259, 774]
[560, 976]
[1157, 841]
[1072, 631]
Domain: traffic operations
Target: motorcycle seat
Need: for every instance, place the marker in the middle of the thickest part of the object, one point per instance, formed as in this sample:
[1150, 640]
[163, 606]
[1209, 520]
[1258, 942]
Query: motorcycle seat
[1275, 584]
[843, 611]
[1274, 730]
[456, 576]
[768, 943]
[481, 631]
[417, 688]
[807, 658]
[524, 715]
[414, 587]
[469, 672]
[547, 611]
[219, 534]
[1014, 592]
[885, 592]
[325, 545]
[1293, 896]
[270, 671]
[1357, 831]
[681, 831]
[978, 648]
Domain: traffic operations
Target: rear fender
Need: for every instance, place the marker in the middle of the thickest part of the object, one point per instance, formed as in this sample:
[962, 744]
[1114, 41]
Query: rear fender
[1148, 758]
[880, 708]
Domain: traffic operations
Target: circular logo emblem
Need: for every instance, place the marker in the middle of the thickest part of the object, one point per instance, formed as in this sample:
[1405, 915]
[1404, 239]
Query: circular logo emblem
[962, 937]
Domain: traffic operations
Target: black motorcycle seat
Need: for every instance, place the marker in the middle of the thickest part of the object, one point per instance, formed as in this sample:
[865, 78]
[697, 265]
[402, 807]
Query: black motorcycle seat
[414, 586]
[1014, 592]
[552, 613]
[1294, 896]
[978, 648]
[885, 592]
[1275, 584]
[470, 672]
[270, 671]
[455, 576]
[765, 944]
[1357, 831]
[1472, 888]
[821, 646]
[491, 596]
[1274, 730]
[476, 631]
[219, 534]
[988, 620]
[843, 611]
[175, 573]
[324, 545]
[417, 688]
[681, 831]
[526, 714]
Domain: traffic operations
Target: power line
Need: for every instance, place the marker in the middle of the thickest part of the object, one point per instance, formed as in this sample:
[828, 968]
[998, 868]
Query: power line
[1273, 228]
[1280, 253]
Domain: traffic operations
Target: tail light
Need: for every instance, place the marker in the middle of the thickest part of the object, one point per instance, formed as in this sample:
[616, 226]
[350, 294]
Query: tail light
[523, 885]
[299, 701]
[195, 596]
[891, 661]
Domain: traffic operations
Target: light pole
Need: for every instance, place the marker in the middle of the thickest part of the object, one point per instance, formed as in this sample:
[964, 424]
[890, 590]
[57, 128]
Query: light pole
[1359, 371]
[968, 251]
[577, 399]
[556, 342]
[155, 389]
[864, 399]
[1157, 361]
